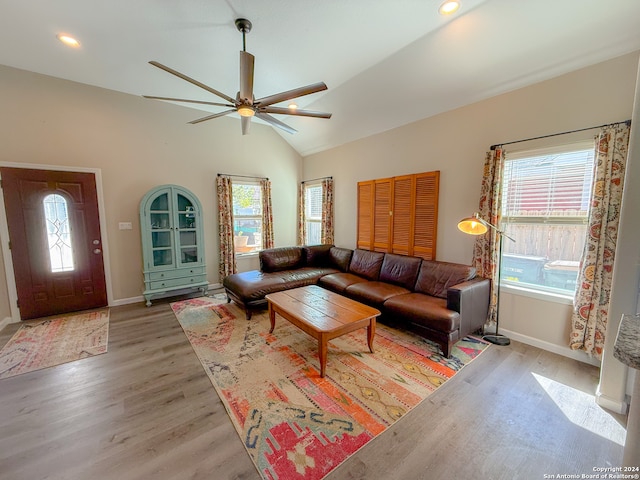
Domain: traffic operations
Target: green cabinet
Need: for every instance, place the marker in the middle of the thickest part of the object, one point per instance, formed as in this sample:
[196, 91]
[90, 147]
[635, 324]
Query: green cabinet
[172, 242]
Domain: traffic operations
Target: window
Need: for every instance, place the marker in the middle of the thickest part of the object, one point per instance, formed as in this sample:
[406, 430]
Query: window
[545, 203]
[313, 214]
[247, 217]
[56, 217]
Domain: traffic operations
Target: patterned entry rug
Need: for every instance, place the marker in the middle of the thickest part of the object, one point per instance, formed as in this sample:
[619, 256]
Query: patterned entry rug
[293, 423]
[44, 343]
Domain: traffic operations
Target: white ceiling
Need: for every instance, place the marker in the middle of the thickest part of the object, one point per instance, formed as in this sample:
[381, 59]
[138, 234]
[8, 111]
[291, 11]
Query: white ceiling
[386, 62]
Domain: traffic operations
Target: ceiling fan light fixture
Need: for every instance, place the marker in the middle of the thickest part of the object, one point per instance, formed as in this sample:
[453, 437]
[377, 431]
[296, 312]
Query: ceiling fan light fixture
[246, 111]
[448, 7]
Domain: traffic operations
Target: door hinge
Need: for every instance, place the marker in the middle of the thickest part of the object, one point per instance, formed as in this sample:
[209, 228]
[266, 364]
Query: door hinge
[17, 303]
[9, 244]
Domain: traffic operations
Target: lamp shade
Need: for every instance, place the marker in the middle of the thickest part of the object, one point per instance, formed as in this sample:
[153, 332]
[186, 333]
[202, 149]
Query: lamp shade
[472, 226]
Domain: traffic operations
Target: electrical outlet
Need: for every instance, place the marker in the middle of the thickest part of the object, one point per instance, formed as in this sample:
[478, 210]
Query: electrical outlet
[125, 226]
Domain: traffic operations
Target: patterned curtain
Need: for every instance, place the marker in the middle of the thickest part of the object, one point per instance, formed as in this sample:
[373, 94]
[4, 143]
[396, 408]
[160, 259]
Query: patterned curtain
[486, 257]
[326, 235]
[227, 261]
[591, 302]
[267, 214]
[302, 225]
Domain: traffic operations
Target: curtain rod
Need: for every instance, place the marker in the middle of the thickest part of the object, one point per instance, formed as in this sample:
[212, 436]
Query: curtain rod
[493, 147]
[241, 176]
[314, 179]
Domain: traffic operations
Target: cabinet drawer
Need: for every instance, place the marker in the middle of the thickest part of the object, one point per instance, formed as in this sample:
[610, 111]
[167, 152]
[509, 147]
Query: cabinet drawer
[178, 282]
[176, 273]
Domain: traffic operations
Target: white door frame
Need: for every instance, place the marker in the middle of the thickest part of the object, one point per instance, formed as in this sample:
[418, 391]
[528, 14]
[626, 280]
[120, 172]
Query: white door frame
[4, 233]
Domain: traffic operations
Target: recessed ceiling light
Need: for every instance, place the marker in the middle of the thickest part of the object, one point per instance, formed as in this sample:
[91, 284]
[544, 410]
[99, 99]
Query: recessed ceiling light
[68, 40]
[448, 7]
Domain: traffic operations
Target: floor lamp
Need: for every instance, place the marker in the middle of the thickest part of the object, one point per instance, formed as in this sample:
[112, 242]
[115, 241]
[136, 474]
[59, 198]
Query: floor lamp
[475, 225]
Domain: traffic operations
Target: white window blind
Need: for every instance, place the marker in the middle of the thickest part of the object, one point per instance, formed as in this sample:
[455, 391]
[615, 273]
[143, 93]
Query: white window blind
[313, 213]
[548, 186]
[545, 205]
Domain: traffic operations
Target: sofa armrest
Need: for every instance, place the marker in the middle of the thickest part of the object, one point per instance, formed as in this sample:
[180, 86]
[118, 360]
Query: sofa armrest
[471, 300]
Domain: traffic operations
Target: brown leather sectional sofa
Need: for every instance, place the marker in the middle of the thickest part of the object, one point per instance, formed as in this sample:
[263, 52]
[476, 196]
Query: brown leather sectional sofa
[440, 301]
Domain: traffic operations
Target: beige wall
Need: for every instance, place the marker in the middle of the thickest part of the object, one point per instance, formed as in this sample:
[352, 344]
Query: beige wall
[139, 144]
[455, 143]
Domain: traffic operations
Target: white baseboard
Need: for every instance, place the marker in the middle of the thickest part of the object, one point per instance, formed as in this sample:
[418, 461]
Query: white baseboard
[616, 406]
[140, 298]
[6, 321]
[551, 347]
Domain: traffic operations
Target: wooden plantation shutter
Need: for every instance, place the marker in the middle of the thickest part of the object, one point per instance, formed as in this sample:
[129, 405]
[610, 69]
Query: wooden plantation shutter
[382, 215]
[426, 215]
[399, 214]
[403, 200]
[365, 215]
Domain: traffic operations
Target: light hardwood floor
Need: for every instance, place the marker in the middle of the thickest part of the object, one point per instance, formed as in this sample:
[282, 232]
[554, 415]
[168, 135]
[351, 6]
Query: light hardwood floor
[147, 410]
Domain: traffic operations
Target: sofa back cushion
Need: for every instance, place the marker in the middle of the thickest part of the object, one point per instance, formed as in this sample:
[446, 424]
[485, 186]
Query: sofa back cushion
[436, 277]
[400, 270]
[317, 255]
[282, 258]
[366, 264]
[340, 258]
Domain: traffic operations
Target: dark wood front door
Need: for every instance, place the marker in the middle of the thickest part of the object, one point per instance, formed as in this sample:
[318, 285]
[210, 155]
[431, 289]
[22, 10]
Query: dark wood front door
[56, 247]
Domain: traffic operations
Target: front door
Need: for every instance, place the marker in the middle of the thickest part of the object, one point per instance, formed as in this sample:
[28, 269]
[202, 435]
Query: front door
[56, 247]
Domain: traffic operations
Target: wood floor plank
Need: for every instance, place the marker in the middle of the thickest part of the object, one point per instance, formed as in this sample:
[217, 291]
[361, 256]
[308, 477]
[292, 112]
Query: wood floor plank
[146, 409]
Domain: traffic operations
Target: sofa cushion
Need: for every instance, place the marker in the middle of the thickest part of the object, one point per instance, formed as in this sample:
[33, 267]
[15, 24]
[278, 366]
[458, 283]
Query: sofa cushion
[340, 258]
[374, 293]
[283, 258]
[317, 255]
[338, 282]
[400, 270]
[254, 285]
[436, 277]
[424, 310]
[366, 264]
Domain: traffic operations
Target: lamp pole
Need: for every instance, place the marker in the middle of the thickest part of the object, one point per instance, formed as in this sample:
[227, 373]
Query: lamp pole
[476, 225]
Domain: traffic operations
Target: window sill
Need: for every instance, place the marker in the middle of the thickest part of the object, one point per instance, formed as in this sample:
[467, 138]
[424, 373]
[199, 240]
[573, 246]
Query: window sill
[537, 294]
[247, 254]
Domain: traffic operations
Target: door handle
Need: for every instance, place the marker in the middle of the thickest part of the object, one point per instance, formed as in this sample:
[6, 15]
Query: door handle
[97, 251]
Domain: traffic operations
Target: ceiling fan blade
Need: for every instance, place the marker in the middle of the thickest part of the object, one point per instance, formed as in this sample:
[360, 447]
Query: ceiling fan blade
[246, 77]
[188, 101]
[275, 122]
[289, 94]
[291, 111]
[209, 117]
[192, 81]
[246, 123]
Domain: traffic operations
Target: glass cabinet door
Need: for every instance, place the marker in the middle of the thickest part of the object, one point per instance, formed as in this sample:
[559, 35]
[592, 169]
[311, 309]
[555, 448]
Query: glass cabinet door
[187, 236]
[161, 238]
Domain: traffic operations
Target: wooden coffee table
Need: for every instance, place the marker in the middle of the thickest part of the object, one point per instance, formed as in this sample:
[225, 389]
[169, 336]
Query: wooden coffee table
[323, 315]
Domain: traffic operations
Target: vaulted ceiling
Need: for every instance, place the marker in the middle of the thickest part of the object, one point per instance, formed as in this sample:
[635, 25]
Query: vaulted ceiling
[386, 62]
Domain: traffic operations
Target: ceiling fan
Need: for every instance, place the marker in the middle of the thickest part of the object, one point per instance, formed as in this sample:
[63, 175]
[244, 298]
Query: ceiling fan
[245, 103]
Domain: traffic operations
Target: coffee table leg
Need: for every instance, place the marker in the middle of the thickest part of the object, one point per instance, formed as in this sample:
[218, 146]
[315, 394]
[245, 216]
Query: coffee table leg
[272, 317]
[322, 353]
[371, 333]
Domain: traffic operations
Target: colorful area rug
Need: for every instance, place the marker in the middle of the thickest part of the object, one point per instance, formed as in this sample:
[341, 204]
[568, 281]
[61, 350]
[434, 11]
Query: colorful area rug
[293, 423]
[44, 343]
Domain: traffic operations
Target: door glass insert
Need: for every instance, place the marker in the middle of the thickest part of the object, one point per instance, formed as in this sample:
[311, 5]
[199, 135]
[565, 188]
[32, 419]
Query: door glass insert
[56, 216]
[189, 255]
[161, 239]
[162, 256]
[160, 203]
